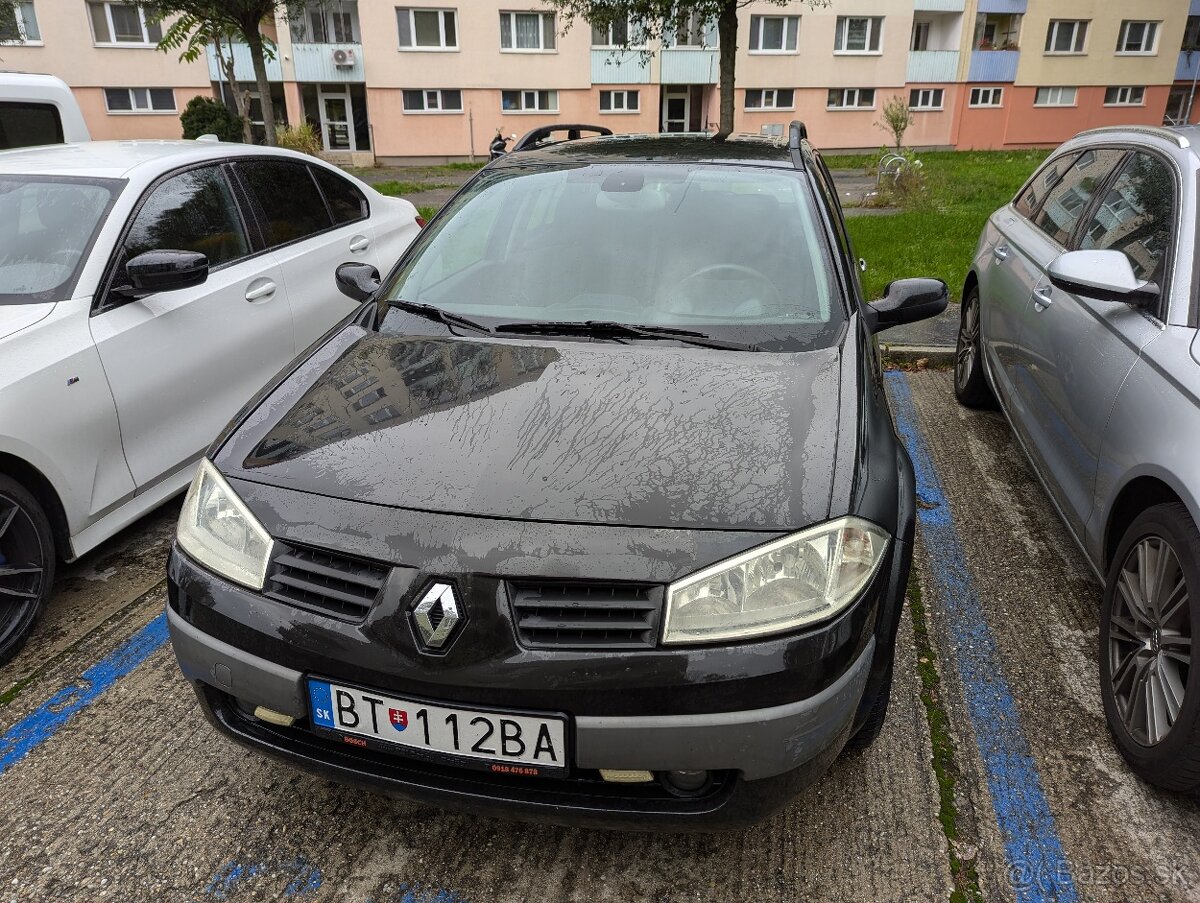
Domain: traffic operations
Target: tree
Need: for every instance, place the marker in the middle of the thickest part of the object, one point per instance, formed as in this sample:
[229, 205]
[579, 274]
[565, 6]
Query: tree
[196, 23]
[205, 116]
[896, 117]
[652, 20]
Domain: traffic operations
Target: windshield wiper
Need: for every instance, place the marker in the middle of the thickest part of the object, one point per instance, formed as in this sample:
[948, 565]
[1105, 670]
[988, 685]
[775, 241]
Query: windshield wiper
[436, 313]
[610, 329]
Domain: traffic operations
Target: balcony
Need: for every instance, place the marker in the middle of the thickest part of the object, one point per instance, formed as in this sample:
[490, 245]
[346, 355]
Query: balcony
[932, 66]
[690, 66]
[242, 66]
[993, 65]
[939, 6]
[332, 62]
[619, 67]
[1002, 7]
[1189, 65]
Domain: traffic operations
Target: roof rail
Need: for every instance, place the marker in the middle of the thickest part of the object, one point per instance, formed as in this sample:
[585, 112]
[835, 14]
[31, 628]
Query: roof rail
[1157, 131]
[537, 137]
[797, 134]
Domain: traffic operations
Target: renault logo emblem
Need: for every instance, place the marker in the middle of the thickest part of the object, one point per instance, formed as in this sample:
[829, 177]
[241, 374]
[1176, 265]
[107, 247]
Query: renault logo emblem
[436, 615]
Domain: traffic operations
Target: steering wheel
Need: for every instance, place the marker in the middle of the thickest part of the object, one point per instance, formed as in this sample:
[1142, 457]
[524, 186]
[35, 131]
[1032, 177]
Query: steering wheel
[681, 302]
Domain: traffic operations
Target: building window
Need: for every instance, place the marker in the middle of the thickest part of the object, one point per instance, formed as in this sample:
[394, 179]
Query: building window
[619, 102]
[123, 24]
[140, 100]
[615, 34]
[1054, 97]
[1138, 37]
[437, 100]
[1066, 35]
[691, 30]
[986, 97]
[770, 99]
[21, 27]
[851, 99]
[1124, 96]
[773, 34]
[925, 98]
[1191, 34]
[427, 29]
[858, 34]
[529, 101]
[920, 36]
[528, 32]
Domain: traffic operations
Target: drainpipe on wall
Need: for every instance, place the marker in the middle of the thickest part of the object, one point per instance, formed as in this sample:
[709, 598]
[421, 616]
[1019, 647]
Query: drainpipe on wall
[471, 133]
[1187, 119]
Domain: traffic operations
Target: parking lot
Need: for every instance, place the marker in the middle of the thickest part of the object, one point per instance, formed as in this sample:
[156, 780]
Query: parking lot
[994, 777]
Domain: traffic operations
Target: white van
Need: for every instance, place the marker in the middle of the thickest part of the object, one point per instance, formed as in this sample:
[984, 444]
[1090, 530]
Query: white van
[38, 109]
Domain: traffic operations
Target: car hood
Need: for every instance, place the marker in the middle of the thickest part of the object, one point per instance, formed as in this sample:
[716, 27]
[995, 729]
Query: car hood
[641, 434]
[15, 317]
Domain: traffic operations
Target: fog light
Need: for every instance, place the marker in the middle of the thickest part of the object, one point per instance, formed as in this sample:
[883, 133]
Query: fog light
[262, 713]
[686, 783]
[626, 776]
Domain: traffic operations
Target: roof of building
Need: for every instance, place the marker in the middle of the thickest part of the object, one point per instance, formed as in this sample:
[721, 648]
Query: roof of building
[118, 159]
[748, 150]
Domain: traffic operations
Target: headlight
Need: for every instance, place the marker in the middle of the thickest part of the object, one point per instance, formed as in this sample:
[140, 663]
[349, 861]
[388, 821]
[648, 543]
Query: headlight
[219, 531]
[797, 580]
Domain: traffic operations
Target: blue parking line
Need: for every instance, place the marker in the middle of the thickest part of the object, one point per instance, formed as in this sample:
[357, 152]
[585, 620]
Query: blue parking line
[1038, 868]
[44, 722]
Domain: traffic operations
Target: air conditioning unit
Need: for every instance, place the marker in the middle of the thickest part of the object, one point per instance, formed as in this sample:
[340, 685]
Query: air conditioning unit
[343, 58]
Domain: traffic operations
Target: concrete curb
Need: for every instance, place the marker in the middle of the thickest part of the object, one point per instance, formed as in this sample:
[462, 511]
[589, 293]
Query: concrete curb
[907, 355]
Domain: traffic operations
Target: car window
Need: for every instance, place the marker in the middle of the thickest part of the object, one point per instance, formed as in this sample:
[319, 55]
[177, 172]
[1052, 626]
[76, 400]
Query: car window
[191, 211]
[291, 205]
[1136, 216]
[719, 249]
[346, 202]
[47, 226]
[29, 124]
[1030, 200]
[1065, 203]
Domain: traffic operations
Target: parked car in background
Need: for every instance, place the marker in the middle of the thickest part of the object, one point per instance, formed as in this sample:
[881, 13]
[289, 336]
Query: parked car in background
[38, 109]
[147, 290]
[1080, 317]
[596, 513]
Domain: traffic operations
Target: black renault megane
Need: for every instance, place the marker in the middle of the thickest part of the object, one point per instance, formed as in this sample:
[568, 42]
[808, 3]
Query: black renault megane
[592, 512]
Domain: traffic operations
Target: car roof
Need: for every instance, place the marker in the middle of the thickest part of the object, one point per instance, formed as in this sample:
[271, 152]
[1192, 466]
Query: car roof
[745, 150]
[1178, 139]
[121, 159]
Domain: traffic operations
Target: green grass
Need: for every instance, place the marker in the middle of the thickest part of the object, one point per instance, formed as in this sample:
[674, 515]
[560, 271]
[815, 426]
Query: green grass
[427, 211]
[400, 189]
[939, 239]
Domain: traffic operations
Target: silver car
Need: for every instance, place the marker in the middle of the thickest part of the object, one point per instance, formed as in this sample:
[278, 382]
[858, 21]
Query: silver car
[1079, 318]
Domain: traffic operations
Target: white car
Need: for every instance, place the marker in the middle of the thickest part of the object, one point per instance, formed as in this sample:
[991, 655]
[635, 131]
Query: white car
[38, 109]
[147, 290]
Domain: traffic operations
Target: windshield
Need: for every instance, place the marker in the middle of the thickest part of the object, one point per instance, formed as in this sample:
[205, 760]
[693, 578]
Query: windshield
[47, 226]
[735, 253]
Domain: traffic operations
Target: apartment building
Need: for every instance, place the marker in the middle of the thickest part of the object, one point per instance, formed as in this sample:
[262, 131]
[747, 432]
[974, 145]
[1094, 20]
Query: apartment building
[392, 82]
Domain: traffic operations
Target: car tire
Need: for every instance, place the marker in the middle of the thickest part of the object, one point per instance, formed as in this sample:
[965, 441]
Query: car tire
[872, 727]
[27, 562]
[970, 384]
[1146, 650]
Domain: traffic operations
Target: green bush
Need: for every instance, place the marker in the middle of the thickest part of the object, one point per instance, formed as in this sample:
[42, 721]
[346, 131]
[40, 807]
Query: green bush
[302, 138]
[206, 116]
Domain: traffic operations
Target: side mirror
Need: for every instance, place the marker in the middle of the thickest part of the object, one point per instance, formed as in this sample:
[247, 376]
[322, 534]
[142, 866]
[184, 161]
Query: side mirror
[1103, 275]
[906, 301]
[165, 271]
[357, 280]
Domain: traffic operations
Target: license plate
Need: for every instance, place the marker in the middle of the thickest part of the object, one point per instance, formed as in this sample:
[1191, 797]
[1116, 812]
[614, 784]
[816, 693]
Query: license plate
[501, 742]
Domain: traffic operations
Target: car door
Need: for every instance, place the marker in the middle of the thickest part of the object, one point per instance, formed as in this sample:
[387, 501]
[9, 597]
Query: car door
[309, 237]
[1008, 274]
[181, 363]
[1081, 349]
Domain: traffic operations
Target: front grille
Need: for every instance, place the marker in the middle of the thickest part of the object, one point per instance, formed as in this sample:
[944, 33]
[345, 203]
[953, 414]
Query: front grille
[586, 615]
[328, 582]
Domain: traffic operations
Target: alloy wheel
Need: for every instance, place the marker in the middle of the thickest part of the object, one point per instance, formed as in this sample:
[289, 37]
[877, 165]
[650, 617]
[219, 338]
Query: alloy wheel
[968, 341]
[22, 567]
[1150, 640]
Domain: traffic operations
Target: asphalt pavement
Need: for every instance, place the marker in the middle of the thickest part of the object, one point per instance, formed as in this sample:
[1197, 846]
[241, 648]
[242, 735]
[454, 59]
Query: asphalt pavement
[994, 778]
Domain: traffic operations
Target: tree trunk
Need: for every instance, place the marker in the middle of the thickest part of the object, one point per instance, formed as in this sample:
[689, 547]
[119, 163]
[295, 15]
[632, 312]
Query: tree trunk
[254, 42]
[241, 99]
[727, 36]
